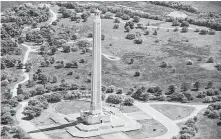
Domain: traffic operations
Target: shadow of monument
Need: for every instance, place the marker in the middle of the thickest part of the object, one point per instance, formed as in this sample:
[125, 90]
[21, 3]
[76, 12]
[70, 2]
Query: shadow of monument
[59, 126]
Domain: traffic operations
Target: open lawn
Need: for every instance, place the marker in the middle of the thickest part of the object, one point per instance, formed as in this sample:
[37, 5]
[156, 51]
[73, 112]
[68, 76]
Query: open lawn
[75, 106]
[208, 128]
[65, 135]
[150, 128]
[174, 112]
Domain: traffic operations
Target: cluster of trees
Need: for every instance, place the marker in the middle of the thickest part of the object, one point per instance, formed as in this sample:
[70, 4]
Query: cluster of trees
[188, 130]
[10, 30]
[9, 46]
[152, 93]
[6, 132]
[119, 99]
[213, 111]
[176, 5]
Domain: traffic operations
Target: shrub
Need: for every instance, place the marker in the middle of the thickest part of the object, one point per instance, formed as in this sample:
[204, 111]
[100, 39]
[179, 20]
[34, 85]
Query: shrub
[171, 89]
[110, 89]
[55, 97]
[175, 29]
[184, 29]
[177, 97]
[188, 96]
[197, 30]
[197, 85]
[211, 32]
[203, 32]
[125, 17]
[163, 64]
[189, 62]
[115, 99]
[211, 60]
[119, 91]
[184, 23]
[108, 15]
[218, 66]
[116, 26]
[176, 23]
[207, 99]
[136, 19]
[210, 92]
[155, 32]
[138, 41]
[137, 73]
[146, 32]
[127, 28]
[128, 101]
[185, 86]
[130, 36]
[117, 20]
[209, 84]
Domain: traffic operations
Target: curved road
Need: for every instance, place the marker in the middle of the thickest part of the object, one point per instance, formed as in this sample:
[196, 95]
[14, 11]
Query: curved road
[171, 125]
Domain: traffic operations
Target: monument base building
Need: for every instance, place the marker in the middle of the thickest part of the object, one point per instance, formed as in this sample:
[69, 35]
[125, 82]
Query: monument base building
[91, 118]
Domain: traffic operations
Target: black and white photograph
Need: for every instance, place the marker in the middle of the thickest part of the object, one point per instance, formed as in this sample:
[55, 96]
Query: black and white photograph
[110, 69]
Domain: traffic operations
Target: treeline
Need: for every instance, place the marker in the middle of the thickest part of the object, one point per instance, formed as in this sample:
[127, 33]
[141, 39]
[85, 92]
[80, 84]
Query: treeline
[176, 5]
[26, 14]
[126, 13]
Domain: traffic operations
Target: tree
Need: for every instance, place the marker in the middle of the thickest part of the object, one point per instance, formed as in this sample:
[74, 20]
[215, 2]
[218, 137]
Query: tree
[127, 28]
[184, 23]
[136, 19]
[171, 89]
[176, 23]
[54, 79]
[130, 36]
[211, 60]
[137, 73]
[119, 91]
[138, 41]
[117, 20]
[55, 97]
[184, 29]
[155, 32]
[197, 85]
[128, 101]
[210, 84]
[115, 99]
[125, 17]
[44, 80]
[110, 89]
[185, 86]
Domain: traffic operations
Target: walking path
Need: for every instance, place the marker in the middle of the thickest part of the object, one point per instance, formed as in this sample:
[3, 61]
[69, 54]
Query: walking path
[171, 125]
[109, 57]
[24, 124]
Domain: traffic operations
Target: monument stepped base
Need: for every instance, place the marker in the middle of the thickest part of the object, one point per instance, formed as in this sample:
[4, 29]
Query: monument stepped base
[118, 123]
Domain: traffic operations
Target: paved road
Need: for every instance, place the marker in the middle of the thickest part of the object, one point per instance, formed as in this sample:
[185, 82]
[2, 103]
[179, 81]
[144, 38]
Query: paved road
[171, 125]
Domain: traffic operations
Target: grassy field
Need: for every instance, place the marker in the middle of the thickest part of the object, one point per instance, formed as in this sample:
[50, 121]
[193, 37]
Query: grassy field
[208, 128]
[174, 112]
[147, 130]
[70, 107]
[173, 47]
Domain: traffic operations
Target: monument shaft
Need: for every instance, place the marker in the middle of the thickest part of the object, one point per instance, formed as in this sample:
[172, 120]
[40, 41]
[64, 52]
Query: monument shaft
[96, 107]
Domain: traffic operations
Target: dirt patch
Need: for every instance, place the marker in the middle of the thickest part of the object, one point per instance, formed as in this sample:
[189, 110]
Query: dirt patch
[177, 14]
[208, 66]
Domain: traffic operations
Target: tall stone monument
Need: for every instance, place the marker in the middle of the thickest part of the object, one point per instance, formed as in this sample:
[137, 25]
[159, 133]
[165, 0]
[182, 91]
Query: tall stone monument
[95, 114]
